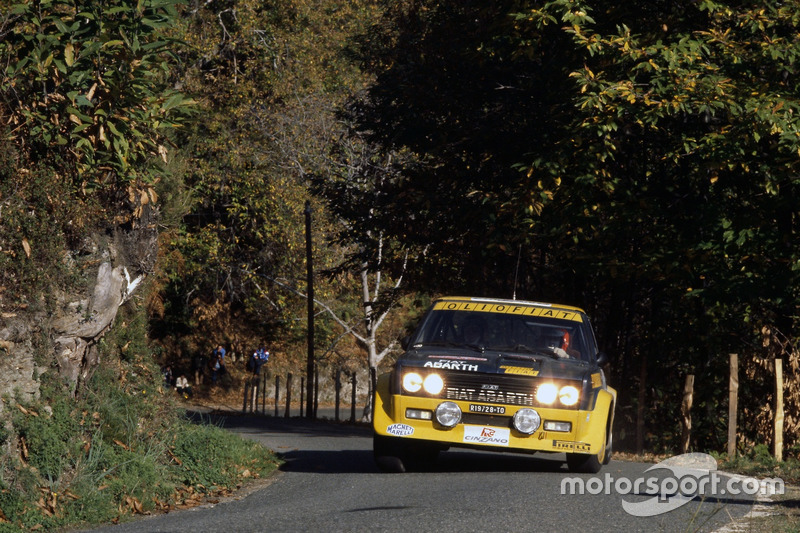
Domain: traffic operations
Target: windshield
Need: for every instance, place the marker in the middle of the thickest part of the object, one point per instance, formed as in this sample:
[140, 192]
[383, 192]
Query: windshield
[504, 333]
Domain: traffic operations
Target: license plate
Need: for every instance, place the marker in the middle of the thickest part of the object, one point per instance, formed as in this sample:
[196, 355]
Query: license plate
[487, 409]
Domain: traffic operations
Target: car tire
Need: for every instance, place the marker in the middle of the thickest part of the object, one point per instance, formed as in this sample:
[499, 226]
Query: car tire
[583, 463]
[421, 457]
[609, 449]
[588, 463]
[388, 454]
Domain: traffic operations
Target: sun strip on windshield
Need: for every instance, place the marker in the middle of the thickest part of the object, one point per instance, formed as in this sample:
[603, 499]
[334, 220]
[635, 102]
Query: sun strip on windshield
[525, 310]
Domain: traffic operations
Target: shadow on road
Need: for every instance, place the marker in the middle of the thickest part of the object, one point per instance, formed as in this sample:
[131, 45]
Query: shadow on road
[349, 461]
[361, 462]
[239, 422]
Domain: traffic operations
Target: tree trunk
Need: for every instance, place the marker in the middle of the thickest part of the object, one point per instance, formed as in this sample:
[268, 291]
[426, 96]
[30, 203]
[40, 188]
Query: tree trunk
[370, 341]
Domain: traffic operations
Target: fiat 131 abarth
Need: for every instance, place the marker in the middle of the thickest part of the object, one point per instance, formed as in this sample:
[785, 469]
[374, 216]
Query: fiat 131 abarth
[502, 375]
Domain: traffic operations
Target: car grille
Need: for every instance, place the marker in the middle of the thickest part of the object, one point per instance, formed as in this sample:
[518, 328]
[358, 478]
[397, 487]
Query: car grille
[489, 388]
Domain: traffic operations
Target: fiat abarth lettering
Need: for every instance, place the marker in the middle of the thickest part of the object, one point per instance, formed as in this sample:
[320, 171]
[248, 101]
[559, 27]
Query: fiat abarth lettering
[503, 375]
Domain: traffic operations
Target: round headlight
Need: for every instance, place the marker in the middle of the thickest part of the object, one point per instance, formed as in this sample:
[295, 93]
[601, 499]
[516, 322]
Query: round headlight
[448, 414]
[433, 384]
[546, 393]
[412, 382]
[568, 395]
[527, 421]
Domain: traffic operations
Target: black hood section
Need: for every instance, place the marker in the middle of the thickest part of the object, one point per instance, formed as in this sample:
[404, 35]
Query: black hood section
[490, 362]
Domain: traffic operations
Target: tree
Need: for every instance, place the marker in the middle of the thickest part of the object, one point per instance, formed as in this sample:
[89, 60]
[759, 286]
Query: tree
[89, 113]
[633, 154]
[86, 83]
[268, 79]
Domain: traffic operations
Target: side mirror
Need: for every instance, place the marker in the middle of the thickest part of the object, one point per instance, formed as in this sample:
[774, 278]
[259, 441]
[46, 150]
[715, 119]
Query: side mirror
[602, 359]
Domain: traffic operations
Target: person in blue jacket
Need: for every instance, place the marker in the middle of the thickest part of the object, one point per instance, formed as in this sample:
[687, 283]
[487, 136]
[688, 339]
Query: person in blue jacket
[258, 359]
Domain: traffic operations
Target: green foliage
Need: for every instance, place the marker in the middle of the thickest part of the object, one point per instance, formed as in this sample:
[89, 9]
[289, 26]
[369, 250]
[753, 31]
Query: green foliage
[87, 82]
[759, 462]
[211, 459]
[35, 229]
[86, 110]
[47, 437]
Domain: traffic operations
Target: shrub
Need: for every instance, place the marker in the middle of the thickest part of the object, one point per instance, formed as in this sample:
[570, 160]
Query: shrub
[211, 459]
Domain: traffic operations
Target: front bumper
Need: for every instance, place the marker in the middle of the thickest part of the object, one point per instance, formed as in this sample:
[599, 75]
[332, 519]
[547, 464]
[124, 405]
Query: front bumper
[587, 428]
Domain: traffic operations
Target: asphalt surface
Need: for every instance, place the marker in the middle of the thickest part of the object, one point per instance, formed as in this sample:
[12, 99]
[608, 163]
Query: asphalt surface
[330, 483]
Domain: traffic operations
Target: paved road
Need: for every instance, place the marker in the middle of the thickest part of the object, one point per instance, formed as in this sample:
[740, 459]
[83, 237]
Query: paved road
[329, 483]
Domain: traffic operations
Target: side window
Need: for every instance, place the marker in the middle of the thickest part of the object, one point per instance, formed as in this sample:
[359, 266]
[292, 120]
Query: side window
[590, 340]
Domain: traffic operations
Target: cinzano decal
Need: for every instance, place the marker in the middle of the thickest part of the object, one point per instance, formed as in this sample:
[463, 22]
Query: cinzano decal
[487, 435]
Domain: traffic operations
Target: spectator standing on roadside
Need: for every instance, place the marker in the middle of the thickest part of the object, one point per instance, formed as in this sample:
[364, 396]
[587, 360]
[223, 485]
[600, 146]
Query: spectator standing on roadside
[217, 363]
[261, 357]
[198, 364]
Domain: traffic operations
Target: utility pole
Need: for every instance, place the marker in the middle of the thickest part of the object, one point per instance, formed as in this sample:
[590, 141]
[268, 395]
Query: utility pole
[310, 275]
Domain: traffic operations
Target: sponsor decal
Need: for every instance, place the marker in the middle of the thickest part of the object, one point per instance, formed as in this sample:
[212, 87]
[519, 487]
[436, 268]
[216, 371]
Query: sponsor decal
[526, 310]
[570, 446]
[452, 365]
[487, 435]
[597, 380]
[400, 430]
[521, 370]
[488, 396]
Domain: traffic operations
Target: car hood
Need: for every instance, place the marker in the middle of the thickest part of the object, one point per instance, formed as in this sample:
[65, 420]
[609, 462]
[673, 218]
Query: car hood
[495, 362]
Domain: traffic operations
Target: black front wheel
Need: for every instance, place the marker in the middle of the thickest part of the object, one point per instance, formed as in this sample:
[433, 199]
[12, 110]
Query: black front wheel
[389, 454]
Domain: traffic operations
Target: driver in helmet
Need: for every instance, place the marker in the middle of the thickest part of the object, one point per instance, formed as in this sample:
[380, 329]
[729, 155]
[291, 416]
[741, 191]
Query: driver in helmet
[558, 340]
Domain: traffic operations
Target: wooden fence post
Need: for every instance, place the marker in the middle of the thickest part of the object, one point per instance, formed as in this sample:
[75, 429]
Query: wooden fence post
[316, 391]
[287, 413]
[779, 409]
[302, 390]
[353, 399]
[277, 393]
[733, 404]
[254, 394]
[337, 391]
[246, 395]
[264, 393]
[686, 411]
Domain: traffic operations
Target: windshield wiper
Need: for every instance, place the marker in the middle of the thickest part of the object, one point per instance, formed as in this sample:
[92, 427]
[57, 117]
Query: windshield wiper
[476, 347]
[524, 348]
[521, 349]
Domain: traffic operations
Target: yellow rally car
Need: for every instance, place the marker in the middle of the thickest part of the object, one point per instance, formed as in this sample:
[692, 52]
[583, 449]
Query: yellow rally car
[504, 375]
